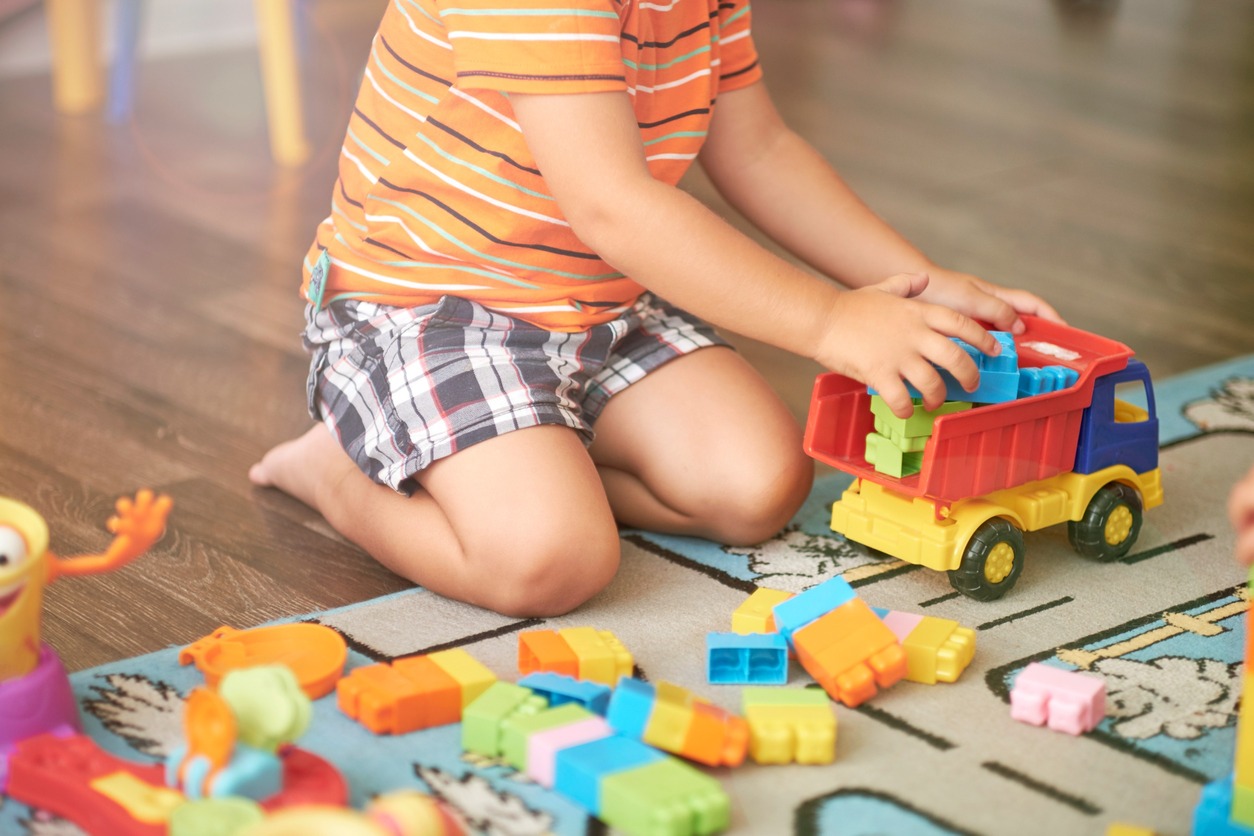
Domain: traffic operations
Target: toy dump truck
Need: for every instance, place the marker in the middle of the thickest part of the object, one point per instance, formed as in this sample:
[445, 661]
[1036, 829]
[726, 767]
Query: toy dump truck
[1078, 454]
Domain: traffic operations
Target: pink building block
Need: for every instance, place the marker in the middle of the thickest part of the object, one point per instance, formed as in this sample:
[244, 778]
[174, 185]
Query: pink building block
[542, 747]
[1068, 701]
[901, 623]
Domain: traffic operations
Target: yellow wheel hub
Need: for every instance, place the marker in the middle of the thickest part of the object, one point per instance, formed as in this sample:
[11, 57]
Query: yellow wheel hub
[1000, 563]
[1118, 525]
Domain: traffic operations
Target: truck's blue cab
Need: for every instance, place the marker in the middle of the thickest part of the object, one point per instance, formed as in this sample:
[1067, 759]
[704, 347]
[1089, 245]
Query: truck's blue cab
[1114, 431]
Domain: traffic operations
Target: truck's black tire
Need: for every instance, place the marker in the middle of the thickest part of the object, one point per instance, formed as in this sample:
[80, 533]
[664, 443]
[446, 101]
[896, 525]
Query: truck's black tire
[992, 562]
[1110, 524]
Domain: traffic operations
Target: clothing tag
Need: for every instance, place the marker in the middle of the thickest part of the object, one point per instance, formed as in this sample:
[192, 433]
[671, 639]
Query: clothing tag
[318, 279]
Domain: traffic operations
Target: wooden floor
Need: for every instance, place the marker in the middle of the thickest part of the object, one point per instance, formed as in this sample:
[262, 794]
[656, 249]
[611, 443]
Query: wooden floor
[1099, 153]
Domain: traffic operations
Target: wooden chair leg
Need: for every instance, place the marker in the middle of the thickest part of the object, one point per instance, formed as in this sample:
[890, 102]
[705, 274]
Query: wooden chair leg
[281, 78]
[74, 31]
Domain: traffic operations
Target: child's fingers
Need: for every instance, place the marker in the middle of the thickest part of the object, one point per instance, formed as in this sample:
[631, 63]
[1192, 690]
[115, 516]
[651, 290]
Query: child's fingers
[949, 356]
[1245, 546]
[895, 395]
[924, 377]
[1029, 303]
[953, 324]
[905, 285]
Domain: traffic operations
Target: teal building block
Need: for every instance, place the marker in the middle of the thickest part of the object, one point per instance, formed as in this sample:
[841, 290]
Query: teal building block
[581, 769]
[630, 707]
[753, 659]
[560, 689]
[1039, 381]
[999, 376]
[820, 599]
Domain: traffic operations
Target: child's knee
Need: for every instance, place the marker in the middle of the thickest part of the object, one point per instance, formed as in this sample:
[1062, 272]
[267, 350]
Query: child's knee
[762, 499]
[540, 575]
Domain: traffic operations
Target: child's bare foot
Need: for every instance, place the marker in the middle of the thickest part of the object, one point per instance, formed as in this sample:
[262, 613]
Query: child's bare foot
[301, 466]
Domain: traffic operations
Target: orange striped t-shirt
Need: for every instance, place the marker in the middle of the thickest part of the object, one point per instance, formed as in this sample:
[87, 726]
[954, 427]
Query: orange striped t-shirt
[437, 193]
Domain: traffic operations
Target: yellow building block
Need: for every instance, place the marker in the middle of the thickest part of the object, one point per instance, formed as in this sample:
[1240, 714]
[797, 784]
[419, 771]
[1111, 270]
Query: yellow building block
[144, 802]
[671, 718]
[754, 615]
[938, 650]
[472, 675]
[1121, 829]
[790, 725]
[602, 657]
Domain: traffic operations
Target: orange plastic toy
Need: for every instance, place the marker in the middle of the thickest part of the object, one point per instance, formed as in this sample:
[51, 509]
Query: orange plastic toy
[416, 692]
[849, 651]
[314, 652]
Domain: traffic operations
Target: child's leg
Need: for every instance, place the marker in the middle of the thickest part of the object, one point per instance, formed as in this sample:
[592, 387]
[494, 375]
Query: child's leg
[702, 446]
[519, 524]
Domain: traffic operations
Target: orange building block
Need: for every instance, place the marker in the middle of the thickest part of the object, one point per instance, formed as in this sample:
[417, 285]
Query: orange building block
[545, 650]
[410, 694]
[849, 651]
[716, 737]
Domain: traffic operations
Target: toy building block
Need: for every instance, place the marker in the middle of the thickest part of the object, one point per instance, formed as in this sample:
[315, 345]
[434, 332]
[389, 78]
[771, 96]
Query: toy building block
[753, 659]
[1067, 701]
[581, 652]
[482, 719]
[755, 614]
[999, 376]
[664, 797]
[543, 746]
[415, 692]
[1042, 379]
[1213, 814]
[1121, 829]
[799, 610]
[676, 721]
[314, 652]
[850, 652]
[559, 689]
[517, 729]
[937, 649]
[580, 769]
[910, 435]
[790, 725]
[889, 459]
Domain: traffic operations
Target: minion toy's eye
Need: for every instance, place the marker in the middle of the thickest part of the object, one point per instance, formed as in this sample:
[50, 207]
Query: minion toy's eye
[13, 551]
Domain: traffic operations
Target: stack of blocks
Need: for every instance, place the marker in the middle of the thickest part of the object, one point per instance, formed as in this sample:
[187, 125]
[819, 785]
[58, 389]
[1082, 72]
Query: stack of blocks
[674, 720]
[413, 693]
[580, 652]
[896, 446]
[1066, 701]
[840, 642]
[626, 783]
[1226, 807]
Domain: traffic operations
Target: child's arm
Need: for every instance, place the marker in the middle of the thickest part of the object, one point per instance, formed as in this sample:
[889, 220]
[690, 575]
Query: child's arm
[1241, 514]
[788, 190]
[589, 149]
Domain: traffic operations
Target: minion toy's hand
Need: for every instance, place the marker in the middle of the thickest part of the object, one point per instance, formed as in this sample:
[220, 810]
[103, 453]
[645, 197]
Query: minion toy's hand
[138, 523]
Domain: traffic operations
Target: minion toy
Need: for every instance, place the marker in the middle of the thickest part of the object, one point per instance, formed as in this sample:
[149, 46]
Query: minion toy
[35, 694]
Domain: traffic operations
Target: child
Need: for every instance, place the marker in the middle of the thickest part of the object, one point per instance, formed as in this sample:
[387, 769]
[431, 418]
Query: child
[489, 288]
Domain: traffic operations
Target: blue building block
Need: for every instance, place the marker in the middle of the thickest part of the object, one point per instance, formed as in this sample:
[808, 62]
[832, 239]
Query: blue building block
[753, 659]
[559, 689]
[800, 610]
[581, 768]
[1213, 814]
[630, 707]
[999, 376]
[1038, 381]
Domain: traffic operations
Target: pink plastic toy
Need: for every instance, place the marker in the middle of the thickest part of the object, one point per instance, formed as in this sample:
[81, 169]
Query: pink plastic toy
[1068, 701]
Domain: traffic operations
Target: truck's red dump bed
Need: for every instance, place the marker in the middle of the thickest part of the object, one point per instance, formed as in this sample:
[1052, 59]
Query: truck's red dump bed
[981, 450]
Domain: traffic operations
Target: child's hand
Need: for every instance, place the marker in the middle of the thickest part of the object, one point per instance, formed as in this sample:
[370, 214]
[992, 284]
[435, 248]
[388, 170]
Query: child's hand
[985, 301]
[880, 335]
[1241, 515]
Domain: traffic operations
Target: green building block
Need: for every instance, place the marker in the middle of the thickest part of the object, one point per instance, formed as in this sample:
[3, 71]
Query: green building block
[917, 425]
[664, 798]
[890, 459]
[482, 718]
[516, 728]
[756, 695]
[1243, 805]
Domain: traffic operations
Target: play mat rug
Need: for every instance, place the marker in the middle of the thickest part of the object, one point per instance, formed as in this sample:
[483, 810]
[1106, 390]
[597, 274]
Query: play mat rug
[1163, 626]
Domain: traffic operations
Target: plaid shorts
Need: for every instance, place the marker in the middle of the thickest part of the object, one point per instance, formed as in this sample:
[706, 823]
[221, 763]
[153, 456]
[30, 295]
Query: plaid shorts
[404, 387]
